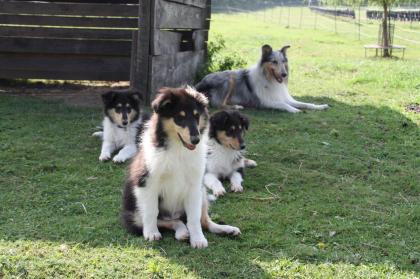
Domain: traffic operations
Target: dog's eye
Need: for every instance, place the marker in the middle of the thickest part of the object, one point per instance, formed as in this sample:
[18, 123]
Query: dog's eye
[275, 62]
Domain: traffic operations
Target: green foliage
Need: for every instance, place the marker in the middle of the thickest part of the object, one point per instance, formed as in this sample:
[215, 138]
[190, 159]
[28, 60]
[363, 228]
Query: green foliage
[218, 60]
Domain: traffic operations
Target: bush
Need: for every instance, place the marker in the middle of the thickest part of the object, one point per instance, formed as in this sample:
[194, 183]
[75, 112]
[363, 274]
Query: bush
[217, 62]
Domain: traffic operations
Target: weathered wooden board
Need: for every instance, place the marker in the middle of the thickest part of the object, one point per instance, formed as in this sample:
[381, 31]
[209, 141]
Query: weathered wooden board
[166, 42]
[197, 3]
[63, 75]
[200, 39]
[92, 1]
[65, 63]
[175, 69]
[42, 32]
[68, 21]
[81, 9]
[171, 15]
[65, 46]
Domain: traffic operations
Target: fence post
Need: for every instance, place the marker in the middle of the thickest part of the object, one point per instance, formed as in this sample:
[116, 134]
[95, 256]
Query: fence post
[281, 5]
[360, 15]
[301, 15]
[141, 76]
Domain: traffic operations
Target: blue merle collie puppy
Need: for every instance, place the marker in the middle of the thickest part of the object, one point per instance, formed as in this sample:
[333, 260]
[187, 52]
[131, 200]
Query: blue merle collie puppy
[226, 146]
[121, 125]
[164, 187]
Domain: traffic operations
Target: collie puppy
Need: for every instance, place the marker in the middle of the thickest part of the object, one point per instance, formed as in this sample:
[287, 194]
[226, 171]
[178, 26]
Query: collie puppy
[225, 156]
[261, 86]
[164, 186]
[121, 125]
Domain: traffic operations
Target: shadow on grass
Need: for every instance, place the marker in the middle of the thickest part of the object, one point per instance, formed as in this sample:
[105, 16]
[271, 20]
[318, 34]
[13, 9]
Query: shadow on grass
[338, 186]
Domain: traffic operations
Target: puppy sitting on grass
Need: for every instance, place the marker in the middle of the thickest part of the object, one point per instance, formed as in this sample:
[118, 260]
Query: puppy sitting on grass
[225, 156]
[164, 183]
[122, 124]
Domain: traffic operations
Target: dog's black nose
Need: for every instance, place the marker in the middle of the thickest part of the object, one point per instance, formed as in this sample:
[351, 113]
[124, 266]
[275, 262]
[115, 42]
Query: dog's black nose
[195, 140]
[125, 122]
[283, 75]
[243, 146]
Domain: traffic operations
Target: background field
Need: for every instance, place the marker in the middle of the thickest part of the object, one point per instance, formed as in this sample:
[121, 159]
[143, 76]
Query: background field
[336, 193]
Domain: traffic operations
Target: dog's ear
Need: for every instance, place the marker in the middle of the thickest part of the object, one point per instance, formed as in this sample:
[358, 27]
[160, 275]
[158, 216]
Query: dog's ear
[218, 119]
[267, 50]
[164, 100]
[244, 121]
[136, 96]
[284, 49]
[108, 97]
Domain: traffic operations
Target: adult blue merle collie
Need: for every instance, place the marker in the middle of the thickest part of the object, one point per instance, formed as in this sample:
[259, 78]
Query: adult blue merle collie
[164, 183]
[261, 86]
[226, 146]
[121, 125]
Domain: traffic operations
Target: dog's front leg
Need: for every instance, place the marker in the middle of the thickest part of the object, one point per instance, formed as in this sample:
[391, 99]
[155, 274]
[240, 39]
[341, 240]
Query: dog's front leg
[236, 182]
[106, 151]
[150, 211]
[126, 153]
[214, 184]
[193, 204]
[283, 106]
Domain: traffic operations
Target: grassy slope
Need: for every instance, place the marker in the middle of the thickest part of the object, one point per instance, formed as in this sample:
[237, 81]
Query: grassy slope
[335, 193]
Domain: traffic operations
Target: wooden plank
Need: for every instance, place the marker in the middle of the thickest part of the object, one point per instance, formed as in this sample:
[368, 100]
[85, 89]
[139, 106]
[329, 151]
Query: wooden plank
[166, 42]
[68, 21]
[42, 32]
[67, 63]
[65, 46]
[80, 9]
[140, 79]
[196, 3]
[171, 15]
[200, 39]
[175, 69]
[64, 75]
[92, 1]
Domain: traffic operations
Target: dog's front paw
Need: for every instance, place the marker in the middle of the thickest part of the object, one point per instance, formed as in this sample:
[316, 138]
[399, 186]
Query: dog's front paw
[182, 234]
[198, 242]
[237, 107]
[250, 163]
[153, 235]
[232, 230]
[236, 188]
[294, 110]
[324, 107]
[104, 157]
[219, 191]
[119, 159]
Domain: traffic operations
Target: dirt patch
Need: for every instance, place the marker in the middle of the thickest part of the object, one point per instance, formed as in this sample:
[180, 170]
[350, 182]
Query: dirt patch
[80, 94]
[413, 108]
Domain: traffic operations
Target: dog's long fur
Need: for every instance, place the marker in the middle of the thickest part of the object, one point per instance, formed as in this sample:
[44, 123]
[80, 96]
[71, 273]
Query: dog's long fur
[164, 183]
[225, 157]
[123, 121]
[261, 86]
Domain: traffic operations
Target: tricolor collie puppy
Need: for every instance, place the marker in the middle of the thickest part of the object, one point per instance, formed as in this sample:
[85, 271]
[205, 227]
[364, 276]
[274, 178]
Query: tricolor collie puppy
[164, 183]
[261, 86]
[225, 157]
[121, 125]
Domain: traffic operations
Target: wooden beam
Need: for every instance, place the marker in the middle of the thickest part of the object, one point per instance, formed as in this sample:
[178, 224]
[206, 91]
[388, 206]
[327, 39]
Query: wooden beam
[196, 3]
[80, 9]
[171, 15]
[64, 75]
[68, 21]
[65, 33]
[65, 46]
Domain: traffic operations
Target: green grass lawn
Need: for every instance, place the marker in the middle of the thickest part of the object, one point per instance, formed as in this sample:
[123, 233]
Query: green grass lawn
[335, 195]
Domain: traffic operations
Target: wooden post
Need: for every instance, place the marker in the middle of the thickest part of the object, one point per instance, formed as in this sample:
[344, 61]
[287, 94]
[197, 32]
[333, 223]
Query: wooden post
[140, 78]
